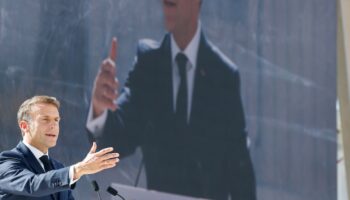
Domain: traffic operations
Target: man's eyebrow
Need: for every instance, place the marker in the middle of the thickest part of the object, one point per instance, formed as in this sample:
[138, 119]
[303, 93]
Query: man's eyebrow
[46, 116]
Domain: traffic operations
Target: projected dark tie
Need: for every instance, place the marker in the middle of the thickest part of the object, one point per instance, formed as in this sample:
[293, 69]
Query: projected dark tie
[181, 100]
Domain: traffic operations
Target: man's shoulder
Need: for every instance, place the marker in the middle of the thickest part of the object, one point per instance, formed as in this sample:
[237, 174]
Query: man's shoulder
[151, 52]
[145, 45]
[9, 158]
[11, 154]
[219, 59]
[149, 47]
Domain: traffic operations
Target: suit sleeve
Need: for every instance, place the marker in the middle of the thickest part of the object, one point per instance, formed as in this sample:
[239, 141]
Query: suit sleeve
[125, 127]
[240, 168]
[70, 195]
[16, 179]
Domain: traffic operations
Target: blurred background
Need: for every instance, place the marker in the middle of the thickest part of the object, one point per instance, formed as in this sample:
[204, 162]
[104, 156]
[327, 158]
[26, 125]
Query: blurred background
[285, 51]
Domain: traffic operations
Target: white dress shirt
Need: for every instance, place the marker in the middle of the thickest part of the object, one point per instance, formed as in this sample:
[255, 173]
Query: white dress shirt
[95, 126]
[191, 52]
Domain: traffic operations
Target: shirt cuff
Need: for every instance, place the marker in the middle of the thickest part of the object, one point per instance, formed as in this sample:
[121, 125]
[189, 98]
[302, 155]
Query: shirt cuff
[95, 126]
[71, 176]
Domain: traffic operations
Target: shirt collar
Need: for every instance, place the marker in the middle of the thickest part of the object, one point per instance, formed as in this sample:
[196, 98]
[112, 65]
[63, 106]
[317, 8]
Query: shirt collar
[191, 50]
[37, 153]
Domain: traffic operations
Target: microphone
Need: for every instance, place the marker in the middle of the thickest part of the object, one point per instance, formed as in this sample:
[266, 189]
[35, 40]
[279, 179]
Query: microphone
[114, 192]
[96, 188]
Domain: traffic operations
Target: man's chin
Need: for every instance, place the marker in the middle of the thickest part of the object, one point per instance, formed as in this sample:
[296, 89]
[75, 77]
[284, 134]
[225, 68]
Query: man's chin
[170, 29]
[52, 144]
[169, 26]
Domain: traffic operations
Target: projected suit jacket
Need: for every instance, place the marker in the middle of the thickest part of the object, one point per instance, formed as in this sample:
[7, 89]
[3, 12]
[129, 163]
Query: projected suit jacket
[210, 159]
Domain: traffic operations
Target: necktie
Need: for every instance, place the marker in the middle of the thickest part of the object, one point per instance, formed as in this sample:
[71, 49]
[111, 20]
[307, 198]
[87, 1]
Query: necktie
[181, 101]
[48, 167]
[47, 164]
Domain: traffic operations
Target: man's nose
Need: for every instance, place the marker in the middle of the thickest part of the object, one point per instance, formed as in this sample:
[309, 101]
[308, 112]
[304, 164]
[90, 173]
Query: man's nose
[53, 124]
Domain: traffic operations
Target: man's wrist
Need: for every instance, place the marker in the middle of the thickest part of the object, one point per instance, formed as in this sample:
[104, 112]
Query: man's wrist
[78, 171]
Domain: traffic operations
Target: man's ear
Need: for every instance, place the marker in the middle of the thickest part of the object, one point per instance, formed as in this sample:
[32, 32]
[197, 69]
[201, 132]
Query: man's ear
[24, 126]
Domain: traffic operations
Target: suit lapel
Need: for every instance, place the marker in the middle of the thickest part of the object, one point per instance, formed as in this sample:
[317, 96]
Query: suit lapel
[34, 163]
[30, 158]
[165, 75]
[201, 79]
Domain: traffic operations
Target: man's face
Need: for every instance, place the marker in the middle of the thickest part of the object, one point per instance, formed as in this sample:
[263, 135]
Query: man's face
[179, 14]
[43, 128]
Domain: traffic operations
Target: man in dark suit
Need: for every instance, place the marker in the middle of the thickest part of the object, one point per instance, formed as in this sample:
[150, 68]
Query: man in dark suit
[181, 103]
[27, 172]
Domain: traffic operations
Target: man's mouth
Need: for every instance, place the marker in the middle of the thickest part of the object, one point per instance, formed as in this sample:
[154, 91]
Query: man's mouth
[170, 3]
[50, 135]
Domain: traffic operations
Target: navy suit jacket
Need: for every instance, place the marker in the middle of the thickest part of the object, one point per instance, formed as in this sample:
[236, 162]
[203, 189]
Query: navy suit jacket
[210, 159]
[22, 177]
